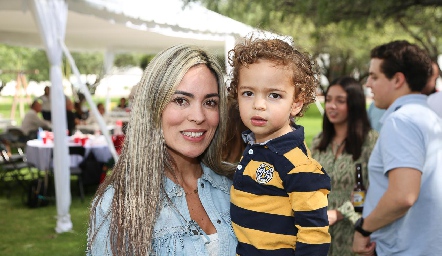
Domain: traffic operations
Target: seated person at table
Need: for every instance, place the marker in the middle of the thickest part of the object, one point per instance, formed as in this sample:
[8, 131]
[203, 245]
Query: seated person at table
[31, 121]
[122, 105]
[92, 120]
[83, 105]
[79, 113]
[72, 121]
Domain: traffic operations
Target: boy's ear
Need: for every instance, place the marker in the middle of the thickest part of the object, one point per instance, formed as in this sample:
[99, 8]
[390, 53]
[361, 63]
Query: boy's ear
[296, 107]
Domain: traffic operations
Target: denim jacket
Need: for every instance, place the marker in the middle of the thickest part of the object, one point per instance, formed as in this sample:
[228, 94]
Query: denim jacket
[175, 233]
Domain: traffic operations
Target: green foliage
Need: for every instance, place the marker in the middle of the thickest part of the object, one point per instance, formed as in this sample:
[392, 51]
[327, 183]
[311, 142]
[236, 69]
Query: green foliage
[340, 33]
[126, 60]
[145, 60]
[22, 59]
[87, 63]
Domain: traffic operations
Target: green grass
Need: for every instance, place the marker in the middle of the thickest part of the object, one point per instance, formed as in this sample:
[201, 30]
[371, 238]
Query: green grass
[312, 122]
[25, 231]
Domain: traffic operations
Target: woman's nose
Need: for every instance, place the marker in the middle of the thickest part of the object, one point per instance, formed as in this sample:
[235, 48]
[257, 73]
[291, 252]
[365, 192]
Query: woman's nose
[196, 114]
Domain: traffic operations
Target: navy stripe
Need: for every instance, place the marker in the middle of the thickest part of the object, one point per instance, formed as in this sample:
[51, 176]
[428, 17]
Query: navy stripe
[316, 218]
[249, 185]
[311, 249]
[263, 221]
[306, 182]
[249, 250]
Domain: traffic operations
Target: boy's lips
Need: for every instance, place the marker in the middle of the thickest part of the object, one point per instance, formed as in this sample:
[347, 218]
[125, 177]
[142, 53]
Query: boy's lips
[258, 121]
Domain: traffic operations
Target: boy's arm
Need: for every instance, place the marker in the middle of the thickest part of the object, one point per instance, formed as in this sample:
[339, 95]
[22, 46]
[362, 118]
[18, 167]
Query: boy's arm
[308, 187]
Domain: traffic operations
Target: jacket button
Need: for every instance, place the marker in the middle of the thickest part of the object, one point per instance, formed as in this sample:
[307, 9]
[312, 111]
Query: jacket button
[202, 185]
[218, 221]
[250, 151]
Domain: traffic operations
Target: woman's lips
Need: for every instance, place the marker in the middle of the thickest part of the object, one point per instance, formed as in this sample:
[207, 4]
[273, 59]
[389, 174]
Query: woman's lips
[193, 135]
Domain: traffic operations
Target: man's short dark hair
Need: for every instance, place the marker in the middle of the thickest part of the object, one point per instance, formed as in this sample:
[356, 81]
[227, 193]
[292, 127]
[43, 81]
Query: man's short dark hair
[409, 59]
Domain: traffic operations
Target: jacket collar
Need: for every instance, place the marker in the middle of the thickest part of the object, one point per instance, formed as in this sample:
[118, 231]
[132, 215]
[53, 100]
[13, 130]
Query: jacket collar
[282, 144]
[215, 180]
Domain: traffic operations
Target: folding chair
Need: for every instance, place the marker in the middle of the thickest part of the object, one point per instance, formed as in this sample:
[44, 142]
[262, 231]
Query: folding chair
[77, 171]
[77, 151]
[11, 167]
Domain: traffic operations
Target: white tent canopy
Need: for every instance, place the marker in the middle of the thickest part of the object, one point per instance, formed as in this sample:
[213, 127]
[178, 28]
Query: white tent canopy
[125, 25]
[107, 25]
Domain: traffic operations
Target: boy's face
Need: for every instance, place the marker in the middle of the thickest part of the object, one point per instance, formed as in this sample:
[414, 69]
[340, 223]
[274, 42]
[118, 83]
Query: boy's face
[266, 99]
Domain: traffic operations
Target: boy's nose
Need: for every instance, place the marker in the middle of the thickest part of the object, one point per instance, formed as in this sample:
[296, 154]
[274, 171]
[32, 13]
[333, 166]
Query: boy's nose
[259, 104]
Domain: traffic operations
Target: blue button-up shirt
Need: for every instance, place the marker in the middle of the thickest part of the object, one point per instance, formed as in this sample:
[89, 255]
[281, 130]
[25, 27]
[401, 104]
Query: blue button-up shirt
[174, 231]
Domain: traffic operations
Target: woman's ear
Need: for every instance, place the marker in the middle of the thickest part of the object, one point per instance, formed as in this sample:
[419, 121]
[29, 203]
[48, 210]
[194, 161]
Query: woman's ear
[296, 107]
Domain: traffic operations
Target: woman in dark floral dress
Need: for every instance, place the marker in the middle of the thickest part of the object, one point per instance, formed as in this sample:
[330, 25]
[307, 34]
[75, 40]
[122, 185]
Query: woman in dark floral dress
[346, 139]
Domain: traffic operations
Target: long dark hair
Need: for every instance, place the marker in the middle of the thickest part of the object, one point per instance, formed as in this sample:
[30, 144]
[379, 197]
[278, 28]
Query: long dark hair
[357, 119]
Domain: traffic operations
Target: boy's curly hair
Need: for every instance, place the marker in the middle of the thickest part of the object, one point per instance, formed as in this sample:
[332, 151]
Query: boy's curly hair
[304, 69]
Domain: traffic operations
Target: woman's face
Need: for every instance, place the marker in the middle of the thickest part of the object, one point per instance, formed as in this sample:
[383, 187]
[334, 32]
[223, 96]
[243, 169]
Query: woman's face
[336, 105]
[191, 117]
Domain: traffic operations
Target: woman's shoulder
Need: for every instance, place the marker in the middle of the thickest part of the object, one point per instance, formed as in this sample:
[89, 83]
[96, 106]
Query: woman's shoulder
[105, 201]
[316, 139]
[372, 137]
[217, 181]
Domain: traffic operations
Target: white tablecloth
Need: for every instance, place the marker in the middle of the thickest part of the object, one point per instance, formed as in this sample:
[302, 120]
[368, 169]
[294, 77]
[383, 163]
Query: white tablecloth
[40, 154]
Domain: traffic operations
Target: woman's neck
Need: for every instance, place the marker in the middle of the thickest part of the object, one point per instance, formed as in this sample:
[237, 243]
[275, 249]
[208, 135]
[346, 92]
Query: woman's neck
[185, 170]
[340, 133]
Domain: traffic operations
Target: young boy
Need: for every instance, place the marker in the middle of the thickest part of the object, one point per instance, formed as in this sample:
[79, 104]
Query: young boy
[279, 193]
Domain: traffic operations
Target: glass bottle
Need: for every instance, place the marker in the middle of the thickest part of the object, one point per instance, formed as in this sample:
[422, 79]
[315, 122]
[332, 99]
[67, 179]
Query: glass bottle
[359, 189]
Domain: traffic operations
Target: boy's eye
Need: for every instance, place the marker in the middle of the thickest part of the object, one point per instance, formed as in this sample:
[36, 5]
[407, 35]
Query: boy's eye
[247, 93]
[274, 96]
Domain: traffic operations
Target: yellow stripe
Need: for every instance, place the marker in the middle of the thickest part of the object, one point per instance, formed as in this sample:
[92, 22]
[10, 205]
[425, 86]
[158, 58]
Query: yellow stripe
[263, 240]
[312, 167]
[251, 172]
[297, 155]
[309, 201]
[303, 162]
[261, 203]
[313, 235]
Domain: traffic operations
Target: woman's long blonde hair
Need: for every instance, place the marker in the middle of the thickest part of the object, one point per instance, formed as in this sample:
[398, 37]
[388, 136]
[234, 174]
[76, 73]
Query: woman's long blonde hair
[138, 175]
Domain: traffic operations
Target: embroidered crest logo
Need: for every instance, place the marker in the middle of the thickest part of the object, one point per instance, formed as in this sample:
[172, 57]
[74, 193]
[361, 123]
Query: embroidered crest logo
[264, 173]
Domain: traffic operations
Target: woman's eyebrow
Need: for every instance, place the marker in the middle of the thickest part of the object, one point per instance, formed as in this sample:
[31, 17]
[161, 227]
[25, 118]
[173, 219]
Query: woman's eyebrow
[185, 94]
[193, 96]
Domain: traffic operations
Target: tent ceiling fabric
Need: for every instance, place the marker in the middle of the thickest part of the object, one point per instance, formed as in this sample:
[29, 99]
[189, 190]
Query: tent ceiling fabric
[147, 26]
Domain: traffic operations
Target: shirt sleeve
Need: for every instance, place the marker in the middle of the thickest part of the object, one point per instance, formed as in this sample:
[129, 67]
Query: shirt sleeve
[403, 145]
[98, 232]
[308, 187]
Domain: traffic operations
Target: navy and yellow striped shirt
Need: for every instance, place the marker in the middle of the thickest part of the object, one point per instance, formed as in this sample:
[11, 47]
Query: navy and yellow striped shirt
[279, 199]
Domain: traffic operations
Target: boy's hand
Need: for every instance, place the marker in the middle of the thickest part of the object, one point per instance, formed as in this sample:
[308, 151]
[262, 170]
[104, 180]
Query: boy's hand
[334, 216]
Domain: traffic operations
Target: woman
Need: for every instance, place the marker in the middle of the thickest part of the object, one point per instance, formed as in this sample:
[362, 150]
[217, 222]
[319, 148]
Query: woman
[168, 194]
[234, 144]
[346, 139]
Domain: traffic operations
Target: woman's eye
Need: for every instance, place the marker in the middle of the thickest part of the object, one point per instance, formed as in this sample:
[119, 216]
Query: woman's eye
[180, 101]
[211, 103]
[274, 96]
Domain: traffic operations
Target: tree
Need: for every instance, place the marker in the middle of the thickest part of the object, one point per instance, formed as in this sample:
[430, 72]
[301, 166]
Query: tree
[22, 59]
[340, 33]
